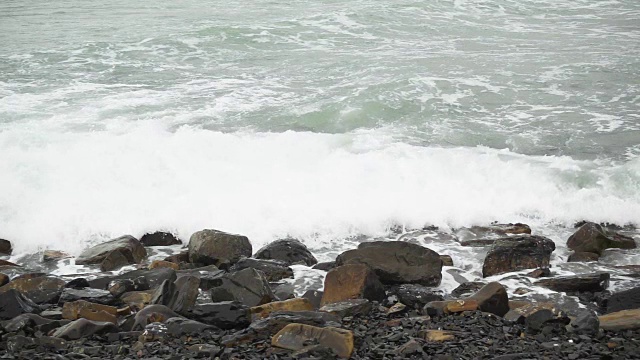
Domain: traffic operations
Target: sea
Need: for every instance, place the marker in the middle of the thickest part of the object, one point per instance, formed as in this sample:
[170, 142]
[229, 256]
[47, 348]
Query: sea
[333, 122]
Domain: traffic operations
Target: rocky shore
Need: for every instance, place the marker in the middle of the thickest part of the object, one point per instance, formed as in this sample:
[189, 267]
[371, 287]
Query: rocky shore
[381, 300]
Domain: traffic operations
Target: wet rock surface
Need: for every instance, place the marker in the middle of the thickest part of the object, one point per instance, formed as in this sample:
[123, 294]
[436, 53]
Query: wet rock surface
[289, 251]
[518, 253]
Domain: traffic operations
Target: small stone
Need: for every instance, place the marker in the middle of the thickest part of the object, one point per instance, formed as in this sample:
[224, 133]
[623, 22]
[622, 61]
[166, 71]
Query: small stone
[294, 336]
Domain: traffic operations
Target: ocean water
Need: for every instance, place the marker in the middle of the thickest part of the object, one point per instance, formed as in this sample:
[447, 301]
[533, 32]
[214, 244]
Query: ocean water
[326, 120]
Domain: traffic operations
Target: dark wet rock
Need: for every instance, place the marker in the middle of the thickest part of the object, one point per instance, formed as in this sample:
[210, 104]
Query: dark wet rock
[273, 269]
[182, 257]
[8, 263]
[624, 300]
[213, 247]
[224, 315]
[314, 297]
[582, 256]
[54, 255]
[163, 264]
[264, 328]
[517, 253]
[143, 279]
[77, 283]
[129, 246]
[290, 251]
[467, 289]
[446, 307]
[585, 323]
[297, 304]
[20, 322]
[4, 279]
[210, 276]
[397, 262]
[315, 352]
[154, 331]
[83, 328]
[52, 313]
[413, 295]
[138, 299]
[538, 273]
[163, 294]
[42, 289]
[151, 314]
[593, 238]
[499, 230]
[295, 337]
[159, 238]
[446, 260]
[119, 287]
[5, 247]
[88, 294]
[540, 318]
[477, 242]
[577, 283]
[492, 298]
[352, 281]
[348, 307]
[116, 259]
[621, 320]
[249, 286]
[19, 342]
[325, 266]
[283, 291]
[50, 343]
[186, 294]
[410, 347]
[548, 312]
[180, 326]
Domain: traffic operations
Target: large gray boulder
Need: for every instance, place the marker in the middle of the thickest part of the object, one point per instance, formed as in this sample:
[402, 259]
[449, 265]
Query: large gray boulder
[397, 262]
[518, 253]
[249, 287]
[127, 246]
[213, 247]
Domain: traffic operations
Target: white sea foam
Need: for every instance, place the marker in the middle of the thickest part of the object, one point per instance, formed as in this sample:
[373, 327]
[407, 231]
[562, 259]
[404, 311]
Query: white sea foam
[64, 190]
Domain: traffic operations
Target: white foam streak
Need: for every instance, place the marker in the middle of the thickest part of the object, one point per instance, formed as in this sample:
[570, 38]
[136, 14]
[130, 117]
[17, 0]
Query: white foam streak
[63, 190]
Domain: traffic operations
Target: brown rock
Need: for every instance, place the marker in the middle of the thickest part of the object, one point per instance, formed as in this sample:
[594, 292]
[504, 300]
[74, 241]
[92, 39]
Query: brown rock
[446, 260]
[583, 257]
[492, 298]
[5, 247]
[159, 238]
[132, 249]
[7, 263]
[515, 304]
[438, 335]
[621, 320]
[182, 257]
[438, 308]
[54, 255]
[4, 279]
[90, 311]
[517, 253]
[593, 238]
[348, 307]
[298, 304]
[538, 273]
[352, 281]
[295, 336]
[578, 283]
[116, 259]
[41, 289]
[213, 247]
[520, 314]
[163, 264]
[137, 299]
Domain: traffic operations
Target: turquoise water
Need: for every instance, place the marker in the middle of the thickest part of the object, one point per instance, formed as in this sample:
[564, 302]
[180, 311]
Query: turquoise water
[318, 119]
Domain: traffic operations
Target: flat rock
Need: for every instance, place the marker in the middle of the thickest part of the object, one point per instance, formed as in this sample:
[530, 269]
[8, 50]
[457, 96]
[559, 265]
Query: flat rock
[290, 251]
[397, 262]
[88, 310]
[88, 294]
[274, 270]
[159, 238]
[151, 314]
[148, 278]
[621, 320]
[467, 289]
[178, 326]
[624, 300]
[325, 266]
[348, 307]
[25, 320]
[517, 253]
[352, 281]
[248, 286]
[492, 298]
[163, 264]
[83, 328]
[414, 296]
[41, 289]
[577, 283]
[224, 315]
[295, 336]
[128, 245]
[582, 256]
[213, 247]
[298, 304]
[54, 255]
[593, 238]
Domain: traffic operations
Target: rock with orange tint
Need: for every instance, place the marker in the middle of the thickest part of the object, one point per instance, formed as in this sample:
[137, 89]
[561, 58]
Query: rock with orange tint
[352, 281]
[296, 336]
[298, 304]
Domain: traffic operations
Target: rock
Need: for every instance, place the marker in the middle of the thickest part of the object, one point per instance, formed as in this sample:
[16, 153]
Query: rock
[621, 320]
[42, 289]
[186, 294]
[549, 313]
[583, 257]
[54, 255]
[249, 286]
[439, 308]
[276, 321]
[439, 335]
[539, 318]
[410, 347]
[119, 287]
[538, 273]
[128, 246]
[624, 300]
[348, 307]
[163, 264]
[351, 281]
[585, 323]
[315, 297]
[4, 279]
[500, 229]
[325, 266]
[5, 247]
[163, 294]
[77, 283]
[415, 296]
[517, 253]
[578, 283]
[284, 291]
[593, 238]
[91, 311]
[467, 289]
[142, 279]
[20, 322]
[210, 276]
[159, 238]
[492, 298]
[262, 311]
[225, 315]
[115, 260]
[19, 342]
[88, 294]
[294, 337]
[274, 270]
[180, 326]
[83, 328]
[151, 314]
[182, 257]
[213, 247]
[397, 262]
[290, 251]
[154, 331]
[315, 352]
[446, 260]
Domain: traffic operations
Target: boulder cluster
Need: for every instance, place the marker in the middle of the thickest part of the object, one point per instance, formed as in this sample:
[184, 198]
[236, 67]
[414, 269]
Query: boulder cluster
[218, 299]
